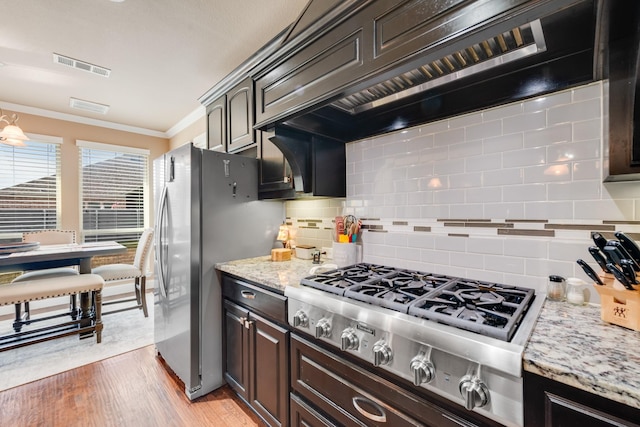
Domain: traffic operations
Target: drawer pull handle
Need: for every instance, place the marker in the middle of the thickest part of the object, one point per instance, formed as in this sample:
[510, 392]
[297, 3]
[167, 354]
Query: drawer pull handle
[248, 295]
[382, 418]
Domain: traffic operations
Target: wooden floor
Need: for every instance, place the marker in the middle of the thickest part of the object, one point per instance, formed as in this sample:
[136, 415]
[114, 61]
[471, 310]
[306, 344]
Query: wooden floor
[132, 389]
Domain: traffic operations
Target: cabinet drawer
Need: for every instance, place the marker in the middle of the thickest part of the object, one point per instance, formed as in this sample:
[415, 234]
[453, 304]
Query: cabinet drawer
[303, 415]
[353, 396]
[269, 304]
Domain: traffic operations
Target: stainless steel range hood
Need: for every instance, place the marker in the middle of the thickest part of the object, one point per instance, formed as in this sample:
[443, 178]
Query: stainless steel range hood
[472, 61]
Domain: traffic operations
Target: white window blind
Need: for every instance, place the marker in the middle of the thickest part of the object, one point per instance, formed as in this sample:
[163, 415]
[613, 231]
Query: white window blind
[29, 187]
[114, 189]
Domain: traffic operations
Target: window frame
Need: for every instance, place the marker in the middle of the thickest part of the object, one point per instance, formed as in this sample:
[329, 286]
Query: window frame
[119, 149]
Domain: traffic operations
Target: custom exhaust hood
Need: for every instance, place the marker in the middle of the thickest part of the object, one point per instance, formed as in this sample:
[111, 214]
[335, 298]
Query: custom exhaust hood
[474, 54]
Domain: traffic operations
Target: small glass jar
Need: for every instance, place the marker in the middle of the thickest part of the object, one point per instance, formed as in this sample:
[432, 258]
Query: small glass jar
[556, 288]
[575, 290]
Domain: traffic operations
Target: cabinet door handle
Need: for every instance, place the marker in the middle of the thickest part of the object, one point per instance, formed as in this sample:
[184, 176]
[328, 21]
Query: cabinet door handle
[382, 418]
[248, 295]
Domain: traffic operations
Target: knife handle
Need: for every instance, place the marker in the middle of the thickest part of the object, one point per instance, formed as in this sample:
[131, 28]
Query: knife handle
[597, 255]
[620, 277]
[626, 266]
[589, 271]
[599, 240]
[628, 243]
[623, 253]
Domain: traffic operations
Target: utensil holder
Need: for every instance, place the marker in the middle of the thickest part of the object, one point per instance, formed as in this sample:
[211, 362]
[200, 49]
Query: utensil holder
[619, 306]
[344, 254]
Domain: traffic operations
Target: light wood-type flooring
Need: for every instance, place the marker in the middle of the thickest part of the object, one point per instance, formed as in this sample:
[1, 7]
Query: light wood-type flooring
[132, 389]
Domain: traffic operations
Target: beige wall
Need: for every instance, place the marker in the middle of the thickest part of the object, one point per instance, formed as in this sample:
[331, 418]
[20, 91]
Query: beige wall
[70, 132]
[189, 134]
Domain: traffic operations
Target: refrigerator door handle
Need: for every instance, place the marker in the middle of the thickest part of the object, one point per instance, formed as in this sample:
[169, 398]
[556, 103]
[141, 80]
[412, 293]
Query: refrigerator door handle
[158, 242]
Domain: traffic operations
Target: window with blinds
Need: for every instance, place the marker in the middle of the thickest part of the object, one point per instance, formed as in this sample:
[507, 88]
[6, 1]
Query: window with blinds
[29, 187]
[114, 188]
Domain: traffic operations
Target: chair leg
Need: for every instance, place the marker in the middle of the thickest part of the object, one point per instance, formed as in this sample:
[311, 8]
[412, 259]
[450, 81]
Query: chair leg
[136, 287]
[27, 312]
[97, 310]
[143, 294]
[73, 306]
[17, 323]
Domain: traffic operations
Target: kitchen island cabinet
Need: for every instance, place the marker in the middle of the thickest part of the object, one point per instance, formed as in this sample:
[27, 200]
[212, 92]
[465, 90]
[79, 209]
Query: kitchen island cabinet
[256, 363]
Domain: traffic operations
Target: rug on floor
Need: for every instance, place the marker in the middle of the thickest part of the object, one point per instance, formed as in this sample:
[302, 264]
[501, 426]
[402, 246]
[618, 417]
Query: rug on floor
[123, 332]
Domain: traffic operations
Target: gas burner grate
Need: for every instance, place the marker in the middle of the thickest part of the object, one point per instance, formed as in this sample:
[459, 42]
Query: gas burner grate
[336, 281]
[397, 290]
[486, 308]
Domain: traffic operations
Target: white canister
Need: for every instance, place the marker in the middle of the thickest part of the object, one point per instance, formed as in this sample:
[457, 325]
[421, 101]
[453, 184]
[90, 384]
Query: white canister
[344, 254]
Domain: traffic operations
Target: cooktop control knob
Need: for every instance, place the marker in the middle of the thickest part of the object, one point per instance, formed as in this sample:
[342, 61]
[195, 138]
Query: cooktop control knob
[323, 328]
[382, 354]
[349, 340]
[474, 392]
[300, 319]
[422, 369]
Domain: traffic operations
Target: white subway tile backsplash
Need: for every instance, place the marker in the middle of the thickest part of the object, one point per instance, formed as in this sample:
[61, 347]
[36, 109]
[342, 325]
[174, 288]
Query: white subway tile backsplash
[502, 112]
[483, 195]
[587, 129]
[574, 151]
[502, 143]
[526, 157]
[548, 210]
[587, 170]
[484, 130]
[522, 193]
[524, 122]
[539, 159]
[504, 210]
[578, 190]
[448, 137]
[575, 112]
[541, 103]
[547, 136]
[503, 177]
[506, 264]
[547, 173]
[467, 211]
[480, 245]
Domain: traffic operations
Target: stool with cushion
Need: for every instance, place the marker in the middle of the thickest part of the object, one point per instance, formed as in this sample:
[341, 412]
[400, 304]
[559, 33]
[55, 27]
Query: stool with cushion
[48, 237]
[136, 271]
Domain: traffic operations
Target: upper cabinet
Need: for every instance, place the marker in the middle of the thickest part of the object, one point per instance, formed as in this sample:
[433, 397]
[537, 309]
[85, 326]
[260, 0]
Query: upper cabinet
[622, 67]
[240, 116]
[230, 119]
[217, 124]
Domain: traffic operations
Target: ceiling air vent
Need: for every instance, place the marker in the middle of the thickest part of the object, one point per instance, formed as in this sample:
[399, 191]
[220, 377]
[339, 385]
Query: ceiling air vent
[92, 107]
[81, 65]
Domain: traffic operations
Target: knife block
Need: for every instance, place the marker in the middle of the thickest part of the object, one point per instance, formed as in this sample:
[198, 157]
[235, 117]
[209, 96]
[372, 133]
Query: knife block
[619, 306]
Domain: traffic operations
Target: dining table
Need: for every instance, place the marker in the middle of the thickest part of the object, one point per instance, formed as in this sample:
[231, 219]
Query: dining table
[61, 255]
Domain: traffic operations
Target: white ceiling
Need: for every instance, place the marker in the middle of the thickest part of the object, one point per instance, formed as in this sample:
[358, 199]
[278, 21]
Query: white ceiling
[163, 54]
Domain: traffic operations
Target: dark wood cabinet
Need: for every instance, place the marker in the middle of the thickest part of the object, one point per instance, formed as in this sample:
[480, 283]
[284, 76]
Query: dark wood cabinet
[256, 349]
[549, 403]
[348, 395]
[230, 119]
[622, 67]
[240, 116]
[276, 179]
[217, 124]
[358, 50]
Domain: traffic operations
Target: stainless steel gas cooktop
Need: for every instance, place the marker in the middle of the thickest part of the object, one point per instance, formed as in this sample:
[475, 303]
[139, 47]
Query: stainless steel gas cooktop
[462, 339]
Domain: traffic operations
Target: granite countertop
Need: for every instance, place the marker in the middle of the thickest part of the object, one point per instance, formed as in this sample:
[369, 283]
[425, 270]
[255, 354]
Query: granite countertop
[276, 275]
[569, 344]
[572, 345]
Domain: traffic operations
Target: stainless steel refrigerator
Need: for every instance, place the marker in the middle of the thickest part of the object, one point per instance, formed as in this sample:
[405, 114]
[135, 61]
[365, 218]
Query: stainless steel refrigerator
[207, 211]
